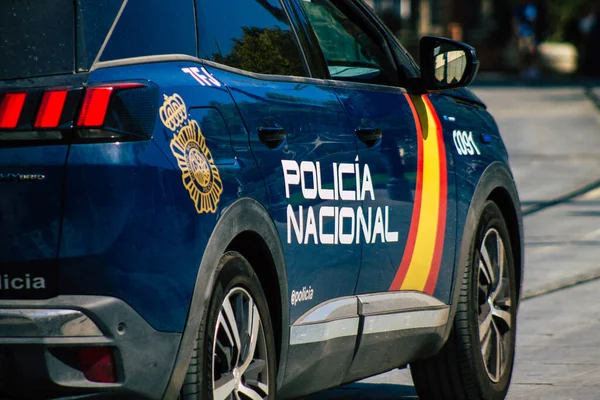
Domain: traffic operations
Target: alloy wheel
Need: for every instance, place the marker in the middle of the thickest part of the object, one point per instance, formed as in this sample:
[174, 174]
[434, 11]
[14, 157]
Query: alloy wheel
[240, 362]
[494, 305]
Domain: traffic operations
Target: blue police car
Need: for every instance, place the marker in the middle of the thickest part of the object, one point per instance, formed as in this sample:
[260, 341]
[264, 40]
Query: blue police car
[246, 199]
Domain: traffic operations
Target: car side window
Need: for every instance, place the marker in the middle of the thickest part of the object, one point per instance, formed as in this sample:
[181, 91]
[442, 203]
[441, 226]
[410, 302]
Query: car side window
[153, 27]
[350, 53]
[253, 35]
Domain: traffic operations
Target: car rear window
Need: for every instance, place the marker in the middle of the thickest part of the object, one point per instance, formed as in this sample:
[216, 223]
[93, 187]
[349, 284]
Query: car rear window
[36, 38]
[153, 27]
[94, 20]
[50, 37]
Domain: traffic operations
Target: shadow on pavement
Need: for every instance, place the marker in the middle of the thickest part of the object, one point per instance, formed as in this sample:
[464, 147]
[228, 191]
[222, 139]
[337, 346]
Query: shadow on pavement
[367, 391]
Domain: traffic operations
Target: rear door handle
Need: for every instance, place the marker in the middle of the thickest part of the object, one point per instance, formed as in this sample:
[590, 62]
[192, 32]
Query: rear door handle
[369, 136]
[271, 136]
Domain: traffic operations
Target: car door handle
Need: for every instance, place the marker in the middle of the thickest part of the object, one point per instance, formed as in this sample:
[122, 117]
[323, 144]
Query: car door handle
[271, 136]
[369, 136]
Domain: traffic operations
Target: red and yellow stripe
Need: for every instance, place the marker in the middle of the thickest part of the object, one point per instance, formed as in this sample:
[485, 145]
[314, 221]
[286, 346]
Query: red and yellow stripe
[423, 253]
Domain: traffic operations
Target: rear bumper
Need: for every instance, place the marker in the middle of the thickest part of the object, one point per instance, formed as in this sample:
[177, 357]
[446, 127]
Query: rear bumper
[39, 337]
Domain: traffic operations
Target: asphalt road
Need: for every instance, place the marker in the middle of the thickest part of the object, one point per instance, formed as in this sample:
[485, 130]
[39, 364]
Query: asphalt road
[553, 138]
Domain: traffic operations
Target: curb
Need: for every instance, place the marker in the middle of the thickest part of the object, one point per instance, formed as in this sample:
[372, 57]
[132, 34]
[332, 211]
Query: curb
[561, 285]
[528, 210]
[592, 96]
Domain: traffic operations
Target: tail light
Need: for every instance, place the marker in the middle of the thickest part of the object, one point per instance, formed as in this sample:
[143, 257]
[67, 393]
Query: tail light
[53, 102]
[107, 112]
[10, 109]
[97, 364]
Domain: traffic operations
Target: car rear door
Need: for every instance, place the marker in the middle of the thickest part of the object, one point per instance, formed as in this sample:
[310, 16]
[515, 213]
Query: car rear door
[299, 136]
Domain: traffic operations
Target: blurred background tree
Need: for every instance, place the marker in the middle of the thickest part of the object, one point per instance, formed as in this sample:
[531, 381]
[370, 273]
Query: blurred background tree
[265, 50]
[489, 26]
[563, 14]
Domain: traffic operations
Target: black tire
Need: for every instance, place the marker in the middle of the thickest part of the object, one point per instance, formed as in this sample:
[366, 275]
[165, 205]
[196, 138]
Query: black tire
[237, 283]
[461, 371]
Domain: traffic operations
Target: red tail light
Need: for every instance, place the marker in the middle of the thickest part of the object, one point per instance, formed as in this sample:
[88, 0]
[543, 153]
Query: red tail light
[99, 113]
[10, 109]
[97, 364]
[51, 109]
[96, 102]
[95, 106]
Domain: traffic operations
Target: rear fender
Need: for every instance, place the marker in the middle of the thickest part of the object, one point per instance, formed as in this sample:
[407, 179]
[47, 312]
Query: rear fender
[243, 215]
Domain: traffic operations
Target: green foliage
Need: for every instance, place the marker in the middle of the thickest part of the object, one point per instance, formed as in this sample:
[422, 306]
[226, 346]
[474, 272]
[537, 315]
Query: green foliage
[562, 13]
[264, 50]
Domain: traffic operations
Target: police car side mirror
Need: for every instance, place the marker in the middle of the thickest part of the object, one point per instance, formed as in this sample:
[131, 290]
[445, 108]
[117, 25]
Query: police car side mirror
[446, 64]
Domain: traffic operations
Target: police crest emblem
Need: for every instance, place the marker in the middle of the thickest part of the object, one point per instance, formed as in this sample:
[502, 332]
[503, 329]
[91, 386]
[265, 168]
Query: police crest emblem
[199, 173]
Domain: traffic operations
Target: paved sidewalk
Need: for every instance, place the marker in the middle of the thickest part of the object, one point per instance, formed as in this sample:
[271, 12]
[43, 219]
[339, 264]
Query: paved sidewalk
[552, 136]
[553, 139]
[558, 354]
[558, 346]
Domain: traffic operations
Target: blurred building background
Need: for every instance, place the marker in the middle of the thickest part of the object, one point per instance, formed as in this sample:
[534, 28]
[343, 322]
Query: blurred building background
[490, 26]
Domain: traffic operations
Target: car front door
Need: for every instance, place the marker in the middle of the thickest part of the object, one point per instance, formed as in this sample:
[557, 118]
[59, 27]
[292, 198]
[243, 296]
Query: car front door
[405, 222]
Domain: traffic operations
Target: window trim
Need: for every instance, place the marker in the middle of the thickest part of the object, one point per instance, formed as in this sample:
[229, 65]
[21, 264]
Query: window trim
[82, 60]
[300, 79]
[398, 51]
[113, 27]
[109, 35]
[358, 17]
[367, 86]
[263, 77]
[122, 62]
[299, 45]
[310, 44]
[367, 21]
[163, 58]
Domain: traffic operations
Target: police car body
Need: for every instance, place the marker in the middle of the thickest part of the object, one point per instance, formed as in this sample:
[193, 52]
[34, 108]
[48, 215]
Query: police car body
[247, 199]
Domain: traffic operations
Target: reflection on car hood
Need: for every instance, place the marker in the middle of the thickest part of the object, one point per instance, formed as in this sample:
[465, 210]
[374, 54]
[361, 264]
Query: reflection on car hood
[465, 95]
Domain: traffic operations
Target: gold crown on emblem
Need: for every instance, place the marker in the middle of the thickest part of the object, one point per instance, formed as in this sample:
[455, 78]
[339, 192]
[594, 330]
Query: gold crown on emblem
[173, 112]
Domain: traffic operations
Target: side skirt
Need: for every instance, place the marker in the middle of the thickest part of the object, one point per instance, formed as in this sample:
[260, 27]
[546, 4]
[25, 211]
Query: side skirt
[353, 337]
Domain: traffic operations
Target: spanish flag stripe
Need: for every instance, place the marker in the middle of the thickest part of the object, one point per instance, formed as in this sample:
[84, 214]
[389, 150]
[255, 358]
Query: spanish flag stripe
[422, 256]
[441, 229]
[412, 235]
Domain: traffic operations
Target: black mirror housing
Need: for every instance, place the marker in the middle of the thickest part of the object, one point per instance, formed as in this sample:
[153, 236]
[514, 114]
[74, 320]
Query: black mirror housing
[446, 64]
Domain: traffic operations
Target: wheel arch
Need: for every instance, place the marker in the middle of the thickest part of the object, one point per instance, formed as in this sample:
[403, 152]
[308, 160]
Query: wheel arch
[255, 249]
[245, 219]
[502, 198]
[496, 183]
